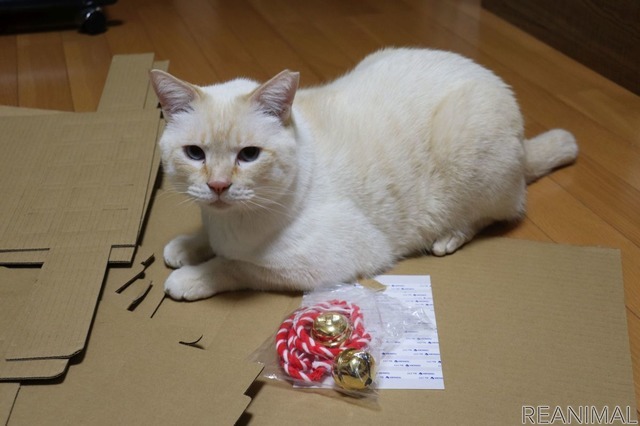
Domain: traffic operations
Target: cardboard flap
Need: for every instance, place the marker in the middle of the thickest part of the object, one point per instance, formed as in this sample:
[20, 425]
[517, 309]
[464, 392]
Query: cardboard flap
[56, 320]
[15, 287]
[133, 70]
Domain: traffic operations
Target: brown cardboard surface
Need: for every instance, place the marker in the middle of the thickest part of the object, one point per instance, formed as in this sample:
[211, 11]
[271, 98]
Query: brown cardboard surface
[8, 393]
[113, 95]
[519, 323]
[133, 372]
[81, 202]
[127, 83]
[81, 198]
[15, 288]
[81, 207]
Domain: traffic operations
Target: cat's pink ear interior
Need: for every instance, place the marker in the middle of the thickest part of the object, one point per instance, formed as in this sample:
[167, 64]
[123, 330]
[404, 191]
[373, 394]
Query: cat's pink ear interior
[174, 94]
[275, 97]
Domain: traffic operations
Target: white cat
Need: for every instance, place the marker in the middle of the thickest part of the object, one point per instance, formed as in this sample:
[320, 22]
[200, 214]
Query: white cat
[413, 150]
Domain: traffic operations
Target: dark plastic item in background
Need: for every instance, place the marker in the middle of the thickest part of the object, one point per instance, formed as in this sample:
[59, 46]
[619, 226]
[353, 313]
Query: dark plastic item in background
[35, 15]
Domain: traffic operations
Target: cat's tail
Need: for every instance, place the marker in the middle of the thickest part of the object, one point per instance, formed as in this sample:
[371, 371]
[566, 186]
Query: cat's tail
[548, 151]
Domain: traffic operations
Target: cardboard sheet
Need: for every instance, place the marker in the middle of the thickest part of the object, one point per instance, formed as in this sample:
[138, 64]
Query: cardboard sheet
[135, 373]
[15, 287]
[81, 208]
[126, 88]
[519, 323]
[8, 394]
[80, 203]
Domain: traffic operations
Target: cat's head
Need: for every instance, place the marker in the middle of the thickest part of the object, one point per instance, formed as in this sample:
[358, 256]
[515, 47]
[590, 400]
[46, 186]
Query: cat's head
[229, 146]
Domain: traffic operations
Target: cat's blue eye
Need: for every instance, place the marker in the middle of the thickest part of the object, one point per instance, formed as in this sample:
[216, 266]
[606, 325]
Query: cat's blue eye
[249, 154]
[194, 152]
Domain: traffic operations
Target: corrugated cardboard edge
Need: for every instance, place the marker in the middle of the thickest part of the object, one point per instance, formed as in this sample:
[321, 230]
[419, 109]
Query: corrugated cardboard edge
[13, 111]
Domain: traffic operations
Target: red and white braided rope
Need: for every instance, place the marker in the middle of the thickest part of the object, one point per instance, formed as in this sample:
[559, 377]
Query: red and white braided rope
[301, 356]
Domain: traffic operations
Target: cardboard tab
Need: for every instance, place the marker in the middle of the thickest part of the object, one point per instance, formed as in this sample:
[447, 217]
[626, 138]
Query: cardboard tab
[132, 69]
[56, 320]
[15, 287]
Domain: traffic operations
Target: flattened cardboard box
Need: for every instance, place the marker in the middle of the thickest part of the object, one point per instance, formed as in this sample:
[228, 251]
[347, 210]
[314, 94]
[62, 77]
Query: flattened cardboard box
[75, 189]
[119, 146]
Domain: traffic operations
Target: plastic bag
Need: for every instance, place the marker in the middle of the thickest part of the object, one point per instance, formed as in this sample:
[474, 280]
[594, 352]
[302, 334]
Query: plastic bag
[336, 340]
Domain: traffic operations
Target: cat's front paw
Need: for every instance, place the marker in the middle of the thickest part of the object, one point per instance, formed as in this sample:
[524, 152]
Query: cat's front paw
[186, 250]
[448, 243]
[188, 283]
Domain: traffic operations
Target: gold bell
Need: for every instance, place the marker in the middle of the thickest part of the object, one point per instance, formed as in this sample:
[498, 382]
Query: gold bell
[331, 329]
[354, 369]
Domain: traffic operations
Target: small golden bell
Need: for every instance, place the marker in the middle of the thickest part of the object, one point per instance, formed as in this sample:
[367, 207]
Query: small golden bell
[354, 369]
[331, 329]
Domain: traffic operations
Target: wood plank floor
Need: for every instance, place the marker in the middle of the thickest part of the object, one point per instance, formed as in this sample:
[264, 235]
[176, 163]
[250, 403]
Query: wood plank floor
[595, 202]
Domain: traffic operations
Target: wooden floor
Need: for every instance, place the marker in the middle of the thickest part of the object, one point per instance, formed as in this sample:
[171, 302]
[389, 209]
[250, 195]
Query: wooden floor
[595, 202]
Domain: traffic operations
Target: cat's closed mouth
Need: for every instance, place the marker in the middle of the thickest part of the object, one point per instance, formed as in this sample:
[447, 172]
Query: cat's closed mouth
[219, 204]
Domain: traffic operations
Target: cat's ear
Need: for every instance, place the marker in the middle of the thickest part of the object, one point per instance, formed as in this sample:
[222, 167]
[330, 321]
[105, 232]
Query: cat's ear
[275, 97]
[174, 94]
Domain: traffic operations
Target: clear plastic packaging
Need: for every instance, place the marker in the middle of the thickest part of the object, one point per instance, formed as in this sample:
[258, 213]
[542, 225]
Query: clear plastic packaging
[336, 340]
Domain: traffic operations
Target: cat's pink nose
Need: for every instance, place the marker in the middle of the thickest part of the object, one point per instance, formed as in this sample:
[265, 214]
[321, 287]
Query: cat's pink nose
[219, 186]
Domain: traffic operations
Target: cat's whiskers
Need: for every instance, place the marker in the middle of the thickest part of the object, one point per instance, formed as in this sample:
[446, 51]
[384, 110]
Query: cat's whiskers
[254, 202]
[170, 194]
[271, 201]
[187, 199]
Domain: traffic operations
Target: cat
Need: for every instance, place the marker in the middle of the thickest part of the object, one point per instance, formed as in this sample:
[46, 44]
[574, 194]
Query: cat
[413, 150]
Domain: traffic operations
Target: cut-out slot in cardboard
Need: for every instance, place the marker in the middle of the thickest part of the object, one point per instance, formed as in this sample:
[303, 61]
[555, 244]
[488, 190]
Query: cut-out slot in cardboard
[138, 299]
